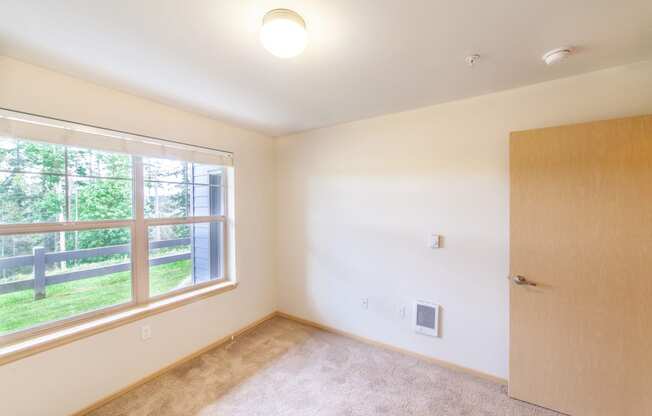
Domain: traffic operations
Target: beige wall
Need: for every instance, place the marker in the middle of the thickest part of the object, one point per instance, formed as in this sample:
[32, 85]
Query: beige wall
[350, 212]
[357, 202]
[66, 379]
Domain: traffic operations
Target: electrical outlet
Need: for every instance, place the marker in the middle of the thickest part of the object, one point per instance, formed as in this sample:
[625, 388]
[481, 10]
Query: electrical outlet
[145, 332]
[365, 303]
[402, 312]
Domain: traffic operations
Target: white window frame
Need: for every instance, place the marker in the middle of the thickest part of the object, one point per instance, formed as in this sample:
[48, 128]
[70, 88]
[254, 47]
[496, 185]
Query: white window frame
[139, 255]
[140, 244]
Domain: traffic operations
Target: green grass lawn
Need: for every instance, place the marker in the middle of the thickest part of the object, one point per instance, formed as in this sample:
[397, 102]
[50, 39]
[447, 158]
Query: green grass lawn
[19, 310]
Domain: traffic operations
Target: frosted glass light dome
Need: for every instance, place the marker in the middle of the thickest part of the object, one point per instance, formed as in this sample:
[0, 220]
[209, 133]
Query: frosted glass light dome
[283, 33]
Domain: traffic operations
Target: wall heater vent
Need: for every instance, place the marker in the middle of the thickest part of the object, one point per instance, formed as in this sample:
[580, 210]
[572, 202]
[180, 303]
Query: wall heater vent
[426, 318]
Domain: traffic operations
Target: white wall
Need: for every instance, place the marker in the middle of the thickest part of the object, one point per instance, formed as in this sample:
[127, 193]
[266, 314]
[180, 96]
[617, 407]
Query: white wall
[357, 202]
[71, 377]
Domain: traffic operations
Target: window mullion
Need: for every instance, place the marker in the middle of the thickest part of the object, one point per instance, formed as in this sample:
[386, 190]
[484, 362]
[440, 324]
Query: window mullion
[35, 228]
[66, 184]
[184, 220]
[140, 248]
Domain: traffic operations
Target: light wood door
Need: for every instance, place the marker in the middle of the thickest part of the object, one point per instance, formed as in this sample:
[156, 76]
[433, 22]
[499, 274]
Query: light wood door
[581, 229]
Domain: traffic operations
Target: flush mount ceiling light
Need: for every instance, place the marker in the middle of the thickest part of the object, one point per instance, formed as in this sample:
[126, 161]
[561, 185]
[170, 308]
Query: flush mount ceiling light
[556, 55]
[283, 33]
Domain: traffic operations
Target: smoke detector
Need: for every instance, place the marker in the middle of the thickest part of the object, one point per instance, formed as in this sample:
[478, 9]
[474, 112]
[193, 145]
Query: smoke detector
[556, 55]
[472, 59]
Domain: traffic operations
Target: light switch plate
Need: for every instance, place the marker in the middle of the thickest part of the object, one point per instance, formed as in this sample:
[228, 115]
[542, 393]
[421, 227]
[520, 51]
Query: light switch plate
[435, 241]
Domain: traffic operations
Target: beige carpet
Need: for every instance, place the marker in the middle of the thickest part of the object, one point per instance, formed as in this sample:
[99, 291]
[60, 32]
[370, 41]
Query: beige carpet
[284, 368]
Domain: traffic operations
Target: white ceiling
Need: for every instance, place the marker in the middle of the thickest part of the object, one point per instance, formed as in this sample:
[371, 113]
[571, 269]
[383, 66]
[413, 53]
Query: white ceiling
[365, 57]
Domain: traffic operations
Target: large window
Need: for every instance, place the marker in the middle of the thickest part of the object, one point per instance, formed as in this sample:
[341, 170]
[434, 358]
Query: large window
[84, 230]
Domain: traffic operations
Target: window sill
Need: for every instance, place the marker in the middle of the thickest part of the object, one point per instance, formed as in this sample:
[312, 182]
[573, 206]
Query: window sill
[61, 336]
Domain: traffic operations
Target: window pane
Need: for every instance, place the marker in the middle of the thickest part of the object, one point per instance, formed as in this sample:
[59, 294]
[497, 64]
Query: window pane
[206, 200]
[166, 170]
[207, 174]
[100, 199]
[31, 198]
[25, 156]
[41, 197]
[78, 272]
[83, 162]
[166, 200]
[163, 200]
[183, 255]
[182, 189]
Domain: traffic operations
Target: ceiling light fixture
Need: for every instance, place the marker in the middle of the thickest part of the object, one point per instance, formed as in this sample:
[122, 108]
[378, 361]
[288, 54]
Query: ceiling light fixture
[556, 55]
[284, 33]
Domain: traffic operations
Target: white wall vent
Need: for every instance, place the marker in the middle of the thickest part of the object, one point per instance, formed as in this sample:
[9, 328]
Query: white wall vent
[426, 318]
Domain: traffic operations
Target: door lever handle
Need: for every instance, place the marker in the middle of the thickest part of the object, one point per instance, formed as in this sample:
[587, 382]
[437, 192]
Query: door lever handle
[521, 280]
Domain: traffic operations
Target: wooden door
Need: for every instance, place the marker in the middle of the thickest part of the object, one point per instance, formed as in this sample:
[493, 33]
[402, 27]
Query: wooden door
[581, 230]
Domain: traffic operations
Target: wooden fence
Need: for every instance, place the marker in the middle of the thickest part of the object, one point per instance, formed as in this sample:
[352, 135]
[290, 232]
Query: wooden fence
[39, 259]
